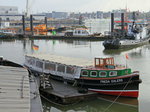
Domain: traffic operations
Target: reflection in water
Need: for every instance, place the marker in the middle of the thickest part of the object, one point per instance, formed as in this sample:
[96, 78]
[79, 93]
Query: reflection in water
[121, 100]
[97, 105]
[76, 42]
[118, 51]
[139, 59]
[112, 51]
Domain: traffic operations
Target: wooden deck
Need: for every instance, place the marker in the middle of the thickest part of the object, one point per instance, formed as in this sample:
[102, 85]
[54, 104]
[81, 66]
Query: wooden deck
[66, 93]
[14, 90]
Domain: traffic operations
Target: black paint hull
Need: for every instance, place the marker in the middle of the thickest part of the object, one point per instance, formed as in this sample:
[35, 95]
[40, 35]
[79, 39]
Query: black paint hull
[127, 86]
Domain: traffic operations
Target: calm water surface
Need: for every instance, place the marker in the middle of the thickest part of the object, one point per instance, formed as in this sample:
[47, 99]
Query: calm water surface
[139, 59]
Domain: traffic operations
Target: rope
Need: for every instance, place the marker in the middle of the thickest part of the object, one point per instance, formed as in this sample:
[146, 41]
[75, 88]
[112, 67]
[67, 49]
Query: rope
[117, 96]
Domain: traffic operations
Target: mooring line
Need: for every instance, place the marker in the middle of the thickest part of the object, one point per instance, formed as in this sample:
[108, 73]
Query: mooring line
[117, 96]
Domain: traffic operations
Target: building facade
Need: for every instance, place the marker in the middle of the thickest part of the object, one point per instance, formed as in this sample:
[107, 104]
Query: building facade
[7, 12]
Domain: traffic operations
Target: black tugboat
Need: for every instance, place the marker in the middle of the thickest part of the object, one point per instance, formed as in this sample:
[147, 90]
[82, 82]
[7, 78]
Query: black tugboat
[134, 40]
[130, 35]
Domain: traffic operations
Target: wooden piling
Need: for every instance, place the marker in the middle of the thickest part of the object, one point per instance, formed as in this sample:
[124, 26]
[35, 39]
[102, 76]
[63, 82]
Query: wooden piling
[46, 22]
[31, 24]
[112, 23]
[23, 24]
[122, 23]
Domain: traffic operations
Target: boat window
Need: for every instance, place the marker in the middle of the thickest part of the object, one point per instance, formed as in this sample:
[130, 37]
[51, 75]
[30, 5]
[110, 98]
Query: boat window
[103, 74]
[39, 64]
[84, 73]
[76, 31]
[61, 68]
[101, 61]
[93, 74]
[70, 70]
[31, 61]
[107, 61]
[126, 72]
[79, 32]
[50, 66]
[84, 32]
[113, 73]
[97, 62]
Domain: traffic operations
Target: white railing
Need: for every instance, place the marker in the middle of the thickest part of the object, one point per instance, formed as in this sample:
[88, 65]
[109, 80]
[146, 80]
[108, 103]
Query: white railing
[31, 63]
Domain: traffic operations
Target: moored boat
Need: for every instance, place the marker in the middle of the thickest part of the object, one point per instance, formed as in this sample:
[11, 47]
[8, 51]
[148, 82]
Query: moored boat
[104, 77]
[125, 43]
[132, 35]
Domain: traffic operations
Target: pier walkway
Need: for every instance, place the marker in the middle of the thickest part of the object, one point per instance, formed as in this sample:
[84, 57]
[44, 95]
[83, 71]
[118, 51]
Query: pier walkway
[14, 89]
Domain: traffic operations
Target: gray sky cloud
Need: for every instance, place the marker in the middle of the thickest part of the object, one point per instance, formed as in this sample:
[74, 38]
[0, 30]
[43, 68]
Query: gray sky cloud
[77, 5]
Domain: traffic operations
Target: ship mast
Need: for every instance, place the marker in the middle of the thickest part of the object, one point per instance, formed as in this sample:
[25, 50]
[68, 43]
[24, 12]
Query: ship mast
[27, 9]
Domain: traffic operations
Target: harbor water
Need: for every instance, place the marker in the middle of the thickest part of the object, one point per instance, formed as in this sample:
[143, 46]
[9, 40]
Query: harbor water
[139, 59]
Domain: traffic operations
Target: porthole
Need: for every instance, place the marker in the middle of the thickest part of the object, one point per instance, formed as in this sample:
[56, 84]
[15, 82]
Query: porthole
[93, 74]
[84, 73]
[103, 74]
[113, 73]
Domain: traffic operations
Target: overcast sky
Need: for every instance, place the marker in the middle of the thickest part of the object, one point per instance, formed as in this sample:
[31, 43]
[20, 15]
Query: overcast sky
[77, 5]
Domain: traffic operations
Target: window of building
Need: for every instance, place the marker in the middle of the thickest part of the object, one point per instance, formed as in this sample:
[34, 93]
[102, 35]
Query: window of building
[79, 32]
[61, 68]
[7, 19]
[76, 32]
[6, 12]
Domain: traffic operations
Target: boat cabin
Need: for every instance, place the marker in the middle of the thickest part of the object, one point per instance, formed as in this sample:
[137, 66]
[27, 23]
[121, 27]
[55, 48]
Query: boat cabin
[105, 63]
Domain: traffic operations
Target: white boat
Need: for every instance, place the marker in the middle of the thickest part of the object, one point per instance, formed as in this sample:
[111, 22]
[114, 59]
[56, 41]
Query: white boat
[77, 32]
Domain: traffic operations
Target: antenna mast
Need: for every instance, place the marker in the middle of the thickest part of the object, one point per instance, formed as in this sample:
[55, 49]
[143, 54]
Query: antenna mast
[27, 9]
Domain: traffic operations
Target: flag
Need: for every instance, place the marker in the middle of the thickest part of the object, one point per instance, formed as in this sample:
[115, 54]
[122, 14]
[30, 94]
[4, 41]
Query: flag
[126, 55]
[35, 47]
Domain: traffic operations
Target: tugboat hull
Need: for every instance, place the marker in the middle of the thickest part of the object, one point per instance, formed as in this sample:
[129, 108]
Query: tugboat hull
[123, 86]
[119, 92]
[123, 44]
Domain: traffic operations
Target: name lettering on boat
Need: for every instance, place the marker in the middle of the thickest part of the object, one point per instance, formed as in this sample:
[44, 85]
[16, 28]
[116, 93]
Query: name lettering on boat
[111, 81]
